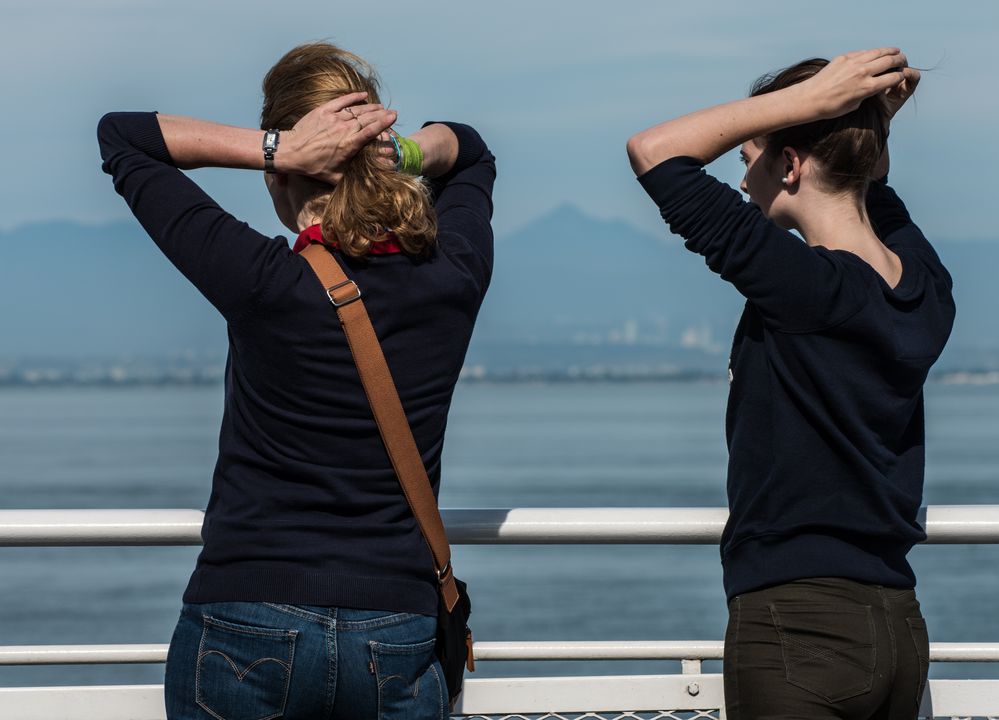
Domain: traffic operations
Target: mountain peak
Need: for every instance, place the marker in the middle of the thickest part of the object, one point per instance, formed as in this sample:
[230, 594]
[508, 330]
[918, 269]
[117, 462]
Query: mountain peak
[569, 223]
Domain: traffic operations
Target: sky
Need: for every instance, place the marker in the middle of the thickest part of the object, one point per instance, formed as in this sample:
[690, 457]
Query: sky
[555, 88]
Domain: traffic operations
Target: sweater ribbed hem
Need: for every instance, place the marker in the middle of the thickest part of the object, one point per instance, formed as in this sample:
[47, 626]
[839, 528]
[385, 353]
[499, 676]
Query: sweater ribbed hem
[763, 562]
[145, 135]
[295, 587]
[470, 145]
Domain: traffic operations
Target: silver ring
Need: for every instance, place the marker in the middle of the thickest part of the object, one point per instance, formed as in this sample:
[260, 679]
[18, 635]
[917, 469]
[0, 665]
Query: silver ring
[351, 113]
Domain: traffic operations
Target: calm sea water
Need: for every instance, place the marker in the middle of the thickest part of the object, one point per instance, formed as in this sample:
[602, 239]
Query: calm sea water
[508, 446]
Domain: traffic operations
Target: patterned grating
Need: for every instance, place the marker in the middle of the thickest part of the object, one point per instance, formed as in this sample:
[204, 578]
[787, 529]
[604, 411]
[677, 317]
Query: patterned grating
[655, 715]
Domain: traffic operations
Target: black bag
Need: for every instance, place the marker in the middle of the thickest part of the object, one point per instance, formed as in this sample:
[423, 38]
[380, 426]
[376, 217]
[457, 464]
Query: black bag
[454, 641]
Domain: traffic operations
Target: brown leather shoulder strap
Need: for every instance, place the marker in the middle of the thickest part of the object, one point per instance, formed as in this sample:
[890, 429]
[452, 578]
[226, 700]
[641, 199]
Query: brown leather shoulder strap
[387, 409]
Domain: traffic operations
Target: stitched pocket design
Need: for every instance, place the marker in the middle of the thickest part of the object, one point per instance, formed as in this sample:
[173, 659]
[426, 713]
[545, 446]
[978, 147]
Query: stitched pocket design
[917, 629]
[408, 682]
[828, 650]
[243, 672]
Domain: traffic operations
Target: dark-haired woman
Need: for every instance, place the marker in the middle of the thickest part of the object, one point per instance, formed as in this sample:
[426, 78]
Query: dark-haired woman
[315, 594]
[825, 415]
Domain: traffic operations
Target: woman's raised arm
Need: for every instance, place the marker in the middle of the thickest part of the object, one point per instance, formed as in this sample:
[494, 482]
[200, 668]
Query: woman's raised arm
[707, 134]
[319, 145]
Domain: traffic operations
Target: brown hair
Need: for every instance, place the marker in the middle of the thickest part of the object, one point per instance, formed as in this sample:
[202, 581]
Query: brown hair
[371, 197]
[847, 148]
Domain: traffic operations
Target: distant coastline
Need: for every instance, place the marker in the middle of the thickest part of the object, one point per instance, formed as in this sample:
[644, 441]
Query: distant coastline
[124, 375]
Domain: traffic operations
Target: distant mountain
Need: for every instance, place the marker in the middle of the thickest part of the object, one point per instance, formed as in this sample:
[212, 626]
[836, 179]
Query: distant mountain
[567, 288]
[569, 277]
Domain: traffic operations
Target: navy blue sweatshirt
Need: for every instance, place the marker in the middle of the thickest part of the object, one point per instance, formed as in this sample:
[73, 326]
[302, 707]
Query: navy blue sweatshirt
[305, 507]
[825, 413]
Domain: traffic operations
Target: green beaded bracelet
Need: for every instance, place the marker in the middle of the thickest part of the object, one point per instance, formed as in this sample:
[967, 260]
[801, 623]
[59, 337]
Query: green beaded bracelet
[410, 157]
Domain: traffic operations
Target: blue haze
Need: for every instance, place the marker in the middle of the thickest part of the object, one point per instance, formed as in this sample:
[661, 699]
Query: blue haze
[568, 288]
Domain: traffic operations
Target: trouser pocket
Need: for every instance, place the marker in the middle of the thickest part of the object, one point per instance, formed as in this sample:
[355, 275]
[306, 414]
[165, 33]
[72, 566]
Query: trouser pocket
[243, 671]
[828, 649]
[409, 681]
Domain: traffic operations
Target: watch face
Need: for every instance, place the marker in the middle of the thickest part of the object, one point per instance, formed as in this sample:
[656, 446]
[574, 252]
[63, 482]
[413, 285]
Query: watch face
[270, 140]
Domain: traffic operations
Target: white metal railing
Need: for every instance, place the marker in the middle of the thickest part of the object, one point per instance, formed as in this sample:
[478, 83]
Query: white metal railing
[688, 650]
[945, 524]
[690, 690]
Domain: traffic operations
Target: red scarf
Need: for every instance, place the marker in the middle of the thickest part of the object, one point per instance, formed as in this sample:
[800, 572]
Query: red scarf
[314, 234]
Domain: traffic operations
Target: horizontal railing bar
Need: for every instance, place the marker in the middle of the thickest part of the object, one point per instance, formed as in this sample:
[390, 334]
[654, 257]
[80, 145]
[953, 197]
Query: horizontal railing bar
[585, 526]
[82, 654]
[53, 528]
[484, 651]
[601, 650]
[945, 524]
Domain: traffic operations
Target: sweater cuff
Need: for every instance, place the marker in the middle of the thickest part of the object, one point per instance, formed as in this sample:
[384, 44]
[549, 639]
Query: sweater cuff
[470, 145]
[665, 180]
[140, 130]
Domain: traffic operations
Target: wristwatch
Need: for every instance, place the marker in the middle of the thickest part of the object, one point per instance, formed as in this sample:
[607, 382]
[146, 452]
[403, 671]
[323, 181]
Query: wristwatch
[271, 140]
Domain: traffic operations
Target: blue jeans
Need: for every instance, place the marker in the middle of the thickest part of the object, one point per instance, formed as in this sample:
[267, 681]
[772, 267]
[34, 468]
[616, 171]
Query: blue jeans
[260, 661]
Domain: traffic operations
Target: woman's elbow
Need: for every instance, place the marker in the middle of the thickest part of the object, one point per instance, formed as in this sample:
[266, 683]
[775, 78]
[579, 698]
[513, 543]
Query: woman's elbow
[642, 152]
[107, 126]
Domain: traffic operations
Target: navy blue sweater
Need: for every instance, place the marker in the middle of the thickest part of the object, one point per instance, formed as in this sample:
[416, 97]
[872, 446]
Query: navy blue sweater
[825, 413]
[305, 507]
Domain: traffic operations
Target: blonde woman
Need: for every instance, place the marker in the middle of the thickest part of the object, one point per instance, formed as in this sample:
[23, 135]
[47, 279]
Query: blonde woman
[315, 593]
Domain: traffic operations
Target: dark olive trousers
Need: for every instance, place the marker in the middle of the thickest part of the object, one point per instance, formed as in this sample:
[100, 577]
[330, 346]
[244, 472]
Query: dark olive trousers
[825, 648]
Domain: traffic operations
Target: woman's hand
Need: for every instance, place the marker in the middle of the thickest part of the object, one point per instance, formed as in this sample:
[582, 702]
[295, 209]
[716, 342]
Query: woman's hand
[849, 79]
[322, 143]
[897, 95]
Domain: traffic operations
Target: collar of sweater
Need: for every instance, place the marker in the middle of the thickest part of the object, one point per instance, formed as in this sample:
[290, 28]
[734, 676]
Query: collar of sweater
[314, 234]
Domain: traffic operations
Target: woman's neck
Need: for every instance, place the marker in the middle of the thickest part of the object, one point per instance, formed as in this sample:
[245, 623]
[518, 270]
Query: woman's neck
[306, 218]
[835, 222]
[838, 223]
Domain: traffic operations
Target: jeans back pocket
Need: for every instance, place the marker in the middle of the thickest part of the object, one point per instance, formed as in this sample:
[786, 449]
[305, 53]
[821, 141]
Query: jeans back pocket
[409, 684]
[828, 649]
[243, 671]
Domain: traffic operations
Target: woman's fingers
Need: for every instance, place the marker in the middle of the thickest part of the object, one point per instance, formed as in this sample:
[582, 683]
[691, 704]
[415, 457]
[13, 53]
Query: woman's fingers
[357, 110]
[887, 63]
[385, 146]
[902, 90]
[887, 81]
[372, 124]
[385, 149]
[338, 104]
[873, 54]
[366, 128]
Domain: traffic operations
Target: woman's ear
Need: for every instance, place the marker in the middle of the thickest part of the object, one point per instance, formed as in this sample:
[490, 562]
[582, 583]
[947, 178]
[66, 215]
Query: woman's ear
[791, 167]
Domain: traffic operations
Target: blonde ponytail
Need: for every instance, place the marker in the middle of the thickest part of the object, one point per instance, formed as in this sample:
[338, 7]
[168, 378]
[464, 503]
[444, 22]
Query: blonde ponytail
[371, 199]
